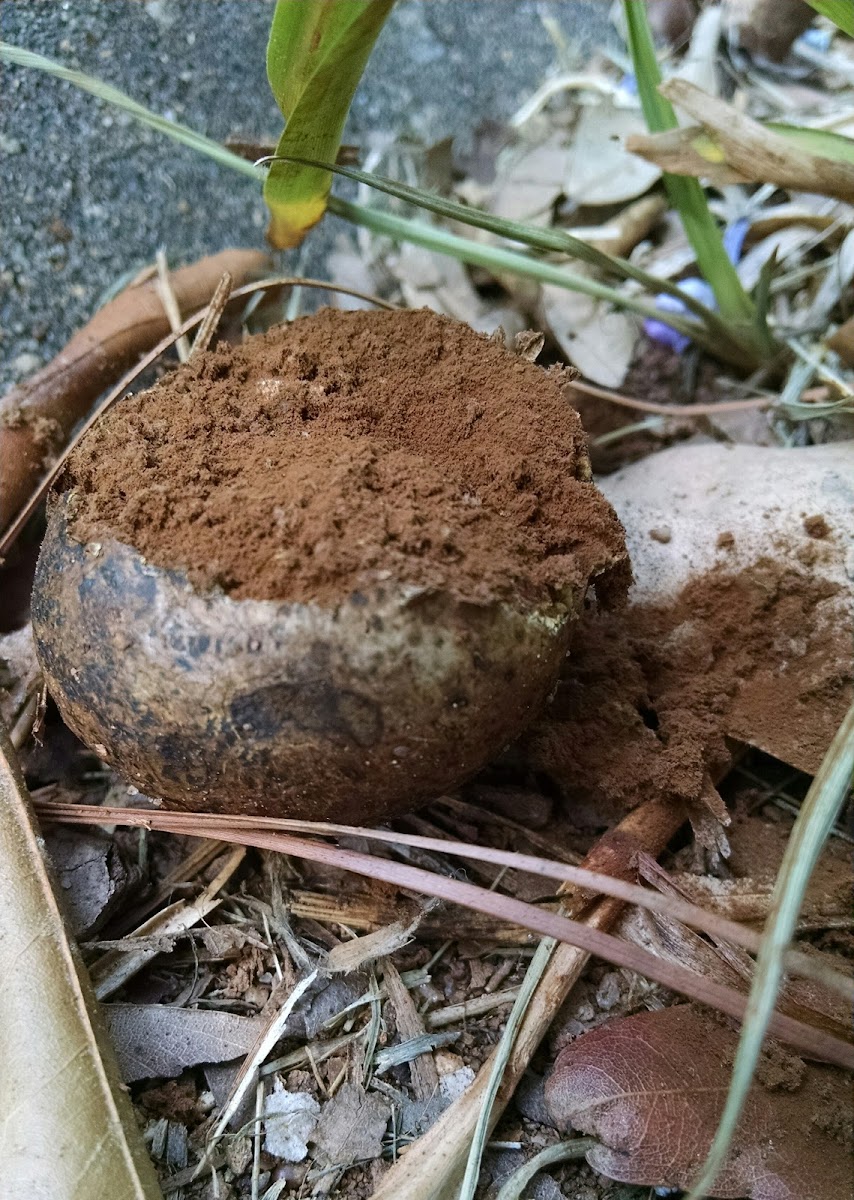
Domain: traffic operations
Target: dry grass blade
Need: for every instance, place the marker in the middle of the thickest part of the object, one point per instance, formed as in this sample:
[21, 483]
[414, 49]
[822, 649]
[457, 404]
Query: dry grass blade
[432, 1167]
[562, 1152]
[807, 1039]
[116, 967]
[68, 1127]
[596, 881]
[672, 410]
[170, 305]
[253, 1062]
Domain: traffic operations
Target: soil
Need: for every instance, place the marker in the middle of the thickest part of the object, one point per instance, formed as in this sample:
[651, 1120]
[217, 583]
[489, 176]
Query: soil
[349, 447]
[650, 694]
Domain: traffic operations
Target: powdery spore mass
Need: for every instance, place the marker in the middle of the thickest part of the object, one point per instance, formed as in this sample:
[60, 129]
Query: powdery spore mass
[349, 448]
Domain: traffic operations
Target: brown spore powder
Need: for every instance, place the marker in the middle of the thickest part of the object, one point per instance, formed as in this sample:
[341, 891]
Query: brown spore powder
[345, 449]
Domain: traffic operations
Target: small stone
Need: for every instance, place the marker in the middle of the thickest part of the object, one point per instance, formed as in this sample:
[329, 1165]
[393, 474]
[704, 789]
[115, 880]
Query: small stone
[661, 534]
[25, 364]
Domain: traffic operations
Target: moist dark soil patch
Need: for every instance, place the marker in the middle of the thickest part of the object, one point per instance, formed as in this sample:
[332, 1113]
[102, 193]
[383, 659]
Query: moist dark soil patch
[347, 447]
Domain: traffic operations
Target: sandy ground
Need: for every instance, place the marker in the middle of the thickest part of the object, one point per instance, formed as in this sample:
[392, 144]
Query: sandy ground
[90, 195]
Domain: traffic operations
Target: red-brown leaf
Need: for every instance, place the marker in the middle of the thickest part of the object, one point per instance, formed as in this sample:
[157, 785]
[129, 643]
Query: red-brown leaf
[652, 1088]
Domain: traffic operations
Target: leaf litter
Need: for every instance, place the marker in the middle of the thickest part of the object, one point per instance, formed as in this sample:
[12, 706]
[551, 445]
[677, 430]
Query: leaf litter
[361, 1069]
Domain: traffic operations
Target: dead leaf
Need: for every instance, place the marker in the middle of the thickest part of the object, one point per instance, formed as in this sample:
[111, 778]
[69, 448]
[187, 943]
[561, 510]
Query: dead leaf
[527, 189]
[351, 1127]
[68, 1126]
[92, 875]
[600, 170]
[290, 1119]
[734, 142]
[652, 1088]
[155, 1041]
[432, 280]
[596, 339]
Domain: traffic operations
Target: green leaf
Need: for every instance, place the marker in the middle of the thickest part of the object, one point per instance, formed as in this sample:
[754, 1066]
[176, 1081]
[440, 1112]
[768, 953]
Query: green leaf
[316, 54]
[685, 194]
[840, 12]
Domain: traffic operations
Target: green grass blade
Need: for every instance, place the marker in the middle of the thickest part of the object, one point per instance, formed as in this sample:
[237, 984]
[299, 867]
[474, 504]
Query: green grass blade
[818, 814]
[386, 224]
[840, 12]
[497, 260]
[549, 240]
[317, 52]
[503, 1050]
[685, 194]
[118, 99]
[824, 142]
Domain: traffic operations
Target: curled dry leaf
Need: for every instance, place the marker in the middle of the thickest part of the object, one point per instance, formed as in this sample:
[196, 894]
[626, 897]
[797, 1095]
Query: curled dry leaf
[68, 1128]
[290, 1119]
[600, 169]
[651, 1089]
[36, 418]
[595, 338]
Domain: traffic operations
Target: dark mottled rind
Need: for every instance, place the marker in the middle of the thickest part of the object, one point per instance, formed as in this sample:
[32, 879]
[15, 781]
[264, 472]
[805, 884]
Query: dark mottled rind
[294, 710]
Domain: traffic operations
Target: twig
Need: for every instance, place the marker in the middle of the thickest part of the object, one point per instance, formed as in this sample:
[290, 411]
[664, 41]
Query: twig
[213, 316]
[671, 410]
[209, 824]
[170, 305]
[811, 1041]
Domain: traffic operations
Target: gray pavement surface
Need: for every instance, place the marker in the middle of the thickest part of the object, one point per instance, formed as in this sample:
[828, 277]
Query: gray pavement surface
[89, 194]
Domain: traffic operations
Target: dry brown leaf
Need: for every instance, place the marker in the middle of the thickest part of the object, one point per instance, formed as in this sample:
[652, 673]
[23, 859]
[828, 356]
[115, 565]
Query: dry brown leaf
[652, 1088]
[595, 338]
[68, 1127]
[351, 1126]
[92, 875]
[160, 1040]
[528, 188]
[600, 170]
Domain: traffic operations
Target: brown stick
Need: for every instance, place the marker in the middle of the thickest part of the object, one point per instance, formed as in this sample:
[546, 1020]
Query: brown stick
[37, 417]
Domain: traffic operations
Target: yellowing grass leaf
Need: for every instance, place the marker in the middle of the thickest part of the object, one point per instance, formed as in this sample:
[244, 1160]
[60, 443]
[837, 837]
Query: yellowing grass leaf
[68, 1128]
[315, 58]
